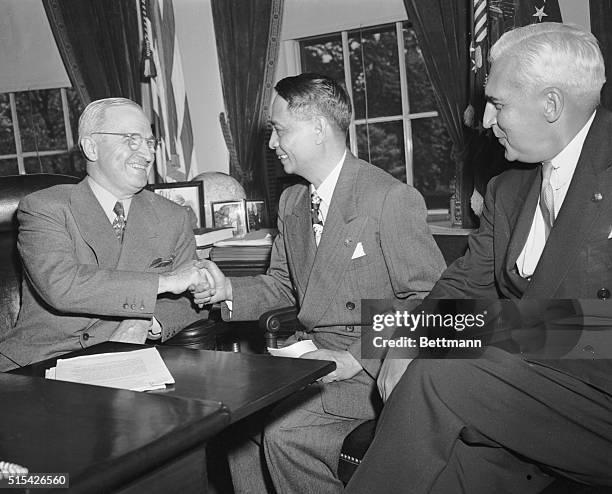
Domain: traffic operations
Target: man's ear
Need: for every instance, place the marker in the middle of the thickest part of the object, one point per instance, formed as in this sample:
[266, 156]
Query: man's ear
[89, 148]
[321, 128]
[553, 104]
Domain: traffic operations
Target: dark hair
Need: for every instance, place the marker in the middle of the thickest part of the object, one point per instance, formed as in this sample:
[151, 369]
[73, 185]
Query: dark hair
[311, 94]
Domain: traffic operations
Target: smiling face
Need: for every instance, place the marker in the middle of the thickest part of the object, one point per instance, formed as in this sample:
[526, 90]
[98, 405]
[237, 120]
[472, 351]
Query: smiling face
[516, 114]
[117, 167]
[293, 139]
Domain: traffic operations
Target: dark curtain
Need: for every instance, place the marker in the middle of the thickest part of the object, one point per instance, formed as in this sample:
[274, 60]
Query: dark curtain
[242, 31]
[98, 42]
[601, 27]
[441, 27]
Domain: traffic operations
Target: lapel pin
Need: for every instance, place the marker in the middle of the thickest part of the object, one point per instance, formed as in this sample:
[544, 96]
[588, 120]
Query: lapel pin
[348, 242]
[597, 197]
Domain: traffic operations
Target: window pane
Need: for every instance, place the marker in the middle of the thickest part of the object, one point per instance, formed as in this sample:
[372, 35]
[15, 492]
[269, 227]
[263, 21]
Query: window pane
[41, 120]
[324, 56]
[9, 167]
[386, 147]
[375, 72]
[433, 166]
[66, 164]
[7, 139]
[420, 91]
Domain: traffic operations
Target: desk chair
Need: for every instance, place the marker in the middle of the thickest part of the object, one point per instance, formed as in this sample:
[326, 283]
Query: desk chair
[12, 189]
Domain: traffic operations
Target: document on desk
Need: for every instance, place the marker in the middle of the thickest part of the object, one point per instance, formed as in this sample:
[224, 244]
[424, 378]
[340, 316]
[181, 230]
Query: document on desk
[139, 370]
[295, 351]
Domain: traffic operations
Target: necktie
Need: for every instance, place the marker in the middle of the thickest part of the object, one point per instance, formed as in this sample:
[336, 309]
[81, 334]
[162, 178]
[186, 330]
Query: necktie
[316, 216]
[547, 203]
[119, 221]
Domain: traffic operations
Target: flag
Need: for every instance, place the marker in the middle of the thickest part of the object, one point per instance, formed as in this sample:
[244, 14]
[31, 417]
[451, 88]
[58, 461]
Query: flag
[489, 20]
[175, 160]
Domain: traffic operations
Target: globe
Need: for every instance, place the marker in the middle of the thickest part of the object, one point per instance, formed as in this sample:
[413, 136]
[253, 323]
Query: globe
[218, 187]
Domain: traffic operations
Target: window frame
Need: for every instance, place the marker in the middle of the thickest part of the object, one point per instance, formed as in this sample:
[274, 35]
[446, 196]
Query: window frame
[19, 154]
[405, 117]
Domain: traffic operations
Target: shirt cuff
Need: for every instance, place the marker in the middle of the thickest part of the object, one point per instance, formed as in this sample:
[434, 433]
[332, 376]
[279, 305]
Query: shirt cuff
[155, 331]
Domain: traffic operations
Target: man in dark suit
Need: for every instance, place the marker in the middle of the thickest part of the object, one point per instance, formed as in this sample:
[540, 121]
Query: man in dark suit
[503, 422]
[93, 272]
[354, 233]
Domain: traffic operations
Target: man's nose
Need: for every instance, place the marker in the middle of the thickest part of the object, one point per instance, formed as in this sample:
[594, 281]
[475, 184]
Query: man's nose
[273, 142]
[490, 116]
[147, 152]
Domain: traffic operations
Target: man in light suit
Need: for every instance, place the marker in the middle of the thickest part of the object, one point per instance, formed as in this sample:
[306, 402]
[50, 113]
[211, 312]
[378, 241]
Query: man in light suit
[503, 422]
[92, 274]
[354, 233]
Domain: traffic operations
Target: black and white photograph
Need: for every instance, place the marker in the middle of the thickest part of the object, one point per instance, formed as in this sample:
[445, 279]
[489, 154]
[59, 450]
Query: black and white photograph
[230, 214]
[187, 194]
[256, 214]
[306, 246]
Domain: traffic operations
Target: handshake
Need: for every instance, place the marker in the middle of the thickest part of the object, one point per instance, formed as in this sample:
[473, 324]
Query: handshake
[203, 279]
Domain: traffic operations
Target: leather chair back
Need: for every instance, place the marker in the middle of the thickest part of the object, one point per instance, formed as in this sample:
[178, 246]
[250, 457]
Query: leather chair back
[12, 189]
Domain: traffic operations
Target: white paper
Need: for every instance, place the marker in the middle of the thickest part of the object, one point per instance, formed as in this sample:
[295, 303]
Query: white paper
[246, 242]
[139, 370]
[295, 351]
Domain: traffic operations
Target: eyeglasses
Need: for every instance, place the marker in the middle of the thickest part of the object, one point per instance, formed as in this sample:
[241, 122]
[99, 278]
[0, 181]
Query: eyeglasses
[135, 140]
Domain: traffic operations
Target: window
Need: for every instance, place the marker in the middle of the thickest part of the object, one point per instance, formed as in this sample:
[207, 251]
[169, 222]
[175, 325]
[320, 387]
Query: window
[396, 125]
[37, 130]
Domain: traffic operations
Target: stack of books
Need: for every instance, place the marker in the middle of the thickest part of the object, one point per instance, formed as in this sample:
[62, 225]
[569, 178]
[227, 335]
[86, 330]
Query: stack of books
[206, 237]
[249, 255]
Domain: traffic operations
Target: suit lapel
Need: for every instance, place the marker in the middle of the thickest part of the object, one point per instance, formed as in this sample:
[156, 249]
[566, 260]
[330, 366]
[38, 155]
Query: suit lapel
[301, 239]
[341, 233]
[93, 225]
[578, 213]
[140, 233]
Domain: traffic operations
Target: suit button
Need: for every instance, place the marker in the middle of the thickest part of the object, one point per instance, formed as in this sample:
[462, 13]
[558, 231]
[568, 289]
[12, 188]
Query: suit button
[126, 306]
[85, 336]
[350, 328]
[350, 305]
[133, 306]
[603, 293]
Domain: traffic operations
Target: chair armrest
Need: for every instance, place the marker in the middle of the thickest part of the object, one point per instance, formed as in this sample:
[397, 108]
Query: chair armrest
[278, 321]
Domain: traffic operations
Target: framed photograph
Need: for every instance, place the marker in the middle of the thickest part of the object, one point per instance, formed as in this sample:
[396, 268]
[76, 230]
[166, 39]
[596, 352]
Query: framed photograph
[230, 213]
[187, 194]
[256, 214]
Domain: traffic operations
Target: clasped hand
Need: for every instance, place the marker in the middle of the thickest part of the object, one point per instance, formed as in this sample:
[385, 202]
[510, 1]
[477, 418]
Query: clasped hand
[346, 365]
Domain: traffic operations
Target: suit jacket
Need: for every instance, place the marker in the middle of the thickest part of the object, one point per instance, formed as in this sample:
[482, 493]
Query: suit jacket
[80, 281]
[401, 262]
[576, 262]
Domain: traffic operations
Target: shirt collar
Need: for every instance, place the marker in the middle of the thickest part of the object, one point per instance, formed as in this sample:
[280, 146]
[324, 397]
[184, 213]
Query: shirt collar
[565, 162]
[326, 189]
[107, 200]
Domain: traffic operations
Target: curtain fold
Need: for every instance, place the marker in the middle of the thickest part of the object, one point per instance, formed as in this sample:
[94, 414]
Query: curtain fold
[99, 44]
[601, 27]
[441, 27]
[247, 35]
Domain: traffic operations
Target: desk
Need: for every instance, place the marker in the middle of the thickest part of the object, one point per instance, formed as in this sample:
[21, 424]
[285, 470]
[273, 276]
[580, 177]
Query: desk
[244, 383]
[108, 440]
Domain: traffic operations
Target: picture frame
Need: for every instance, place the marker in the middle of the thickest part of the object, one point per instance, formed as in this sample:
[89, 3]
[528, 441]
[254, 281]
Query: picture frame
[257, 214]
[230, 213]
[187, 194]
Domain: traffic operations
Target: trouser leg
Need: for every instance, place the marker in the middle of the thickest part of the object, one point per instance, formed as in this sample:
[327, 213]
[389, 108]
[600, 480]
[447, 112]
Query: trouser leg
[481, 426]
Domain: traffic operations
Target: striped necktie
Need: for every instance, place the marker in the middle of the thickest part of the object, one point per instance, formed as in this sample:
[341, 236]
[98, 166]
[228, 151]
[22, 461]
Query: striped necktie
[547, 201]
[119, 221]
[316, 216]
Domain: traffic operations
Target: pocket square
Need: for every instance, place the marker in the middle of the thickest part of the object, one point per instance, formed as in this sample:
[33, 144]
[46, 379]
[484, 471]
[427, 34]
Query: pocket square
[358, 252]
[610, 234]
[162, 263]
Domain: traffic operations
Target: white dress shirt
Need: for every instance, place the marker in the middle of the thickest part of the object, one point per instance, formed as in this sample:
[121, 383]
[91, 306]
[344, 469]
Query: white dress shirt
[108, 200]
[564, 165]
[326, 189]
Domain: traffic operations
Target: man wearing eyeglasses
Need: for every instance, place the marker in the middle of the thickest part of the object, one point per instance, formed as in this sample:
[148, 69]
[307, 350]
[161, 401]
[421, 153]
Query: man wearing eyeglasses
[101, 257]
